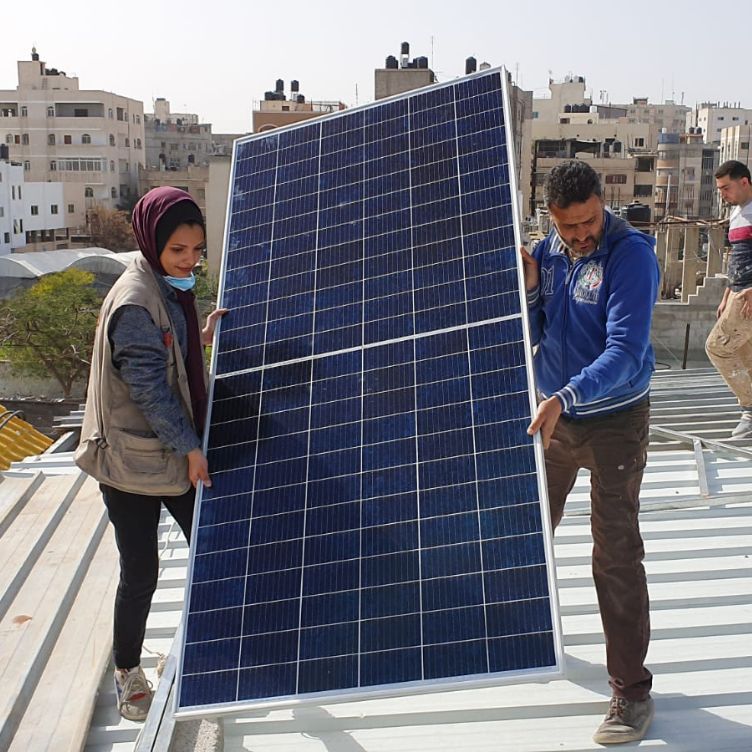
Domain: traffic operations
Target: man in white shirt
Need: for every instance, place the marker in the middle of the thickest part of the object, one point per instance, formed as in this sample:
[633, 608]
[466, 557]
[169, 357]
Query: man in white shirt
[729, 344]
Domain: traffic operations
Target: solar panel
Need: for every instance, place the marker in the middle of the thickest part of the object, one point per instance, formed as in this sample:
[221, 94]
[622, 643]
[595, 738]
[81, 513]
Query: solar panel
[377, 519]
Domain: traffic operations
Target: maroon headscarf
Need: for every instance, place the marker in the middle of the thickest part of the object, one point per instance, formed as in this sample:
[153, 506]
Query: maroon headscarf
[147, 213]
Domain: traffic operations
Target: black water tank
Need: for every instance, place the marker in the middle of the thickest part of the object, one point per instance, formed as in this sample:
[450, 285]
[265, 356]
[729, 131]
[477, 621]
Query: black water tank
[405, 49]
[294, 87]
[300, 99]
[391, 63]
[422, 62]
[636, 213]
[567, 108]
[269, 96]
[471, 65]
[280, 86]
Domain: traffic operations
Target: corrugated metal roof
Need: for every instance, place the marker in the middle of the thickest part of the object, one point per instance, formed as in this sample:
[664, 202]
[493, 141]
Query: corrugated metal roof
[698, 536]
[18, 439]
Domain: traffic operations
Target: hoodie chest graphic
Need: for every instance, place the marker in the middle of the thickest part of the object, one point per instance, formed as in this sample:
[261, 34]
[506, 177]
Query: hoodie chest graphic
[589, 283]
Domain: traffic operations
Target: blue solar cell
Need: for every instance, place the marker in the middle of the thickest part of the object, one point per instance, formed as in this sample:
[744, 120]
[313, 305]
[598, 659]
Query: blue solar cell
[375, 516]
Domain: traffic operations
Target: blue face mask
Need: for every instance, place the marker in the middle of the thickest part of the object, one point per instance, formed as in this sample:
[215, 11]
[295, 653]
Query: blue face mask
[181, 283]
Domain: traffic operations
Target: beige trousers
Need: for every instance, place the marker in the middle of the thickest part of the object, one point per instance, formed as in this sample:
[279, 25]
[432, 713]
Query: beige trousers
[729, 347]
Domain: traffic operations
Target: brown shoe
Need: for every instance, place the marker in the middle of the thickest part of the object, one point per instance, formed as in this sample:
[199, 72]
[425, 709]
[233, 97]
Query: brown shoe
[626, 721]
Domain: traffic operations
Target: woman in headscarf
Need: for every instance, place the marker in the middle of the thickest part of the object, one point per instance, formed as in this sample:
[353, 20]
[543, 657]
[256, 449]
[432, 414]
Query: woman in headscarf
[145, 412]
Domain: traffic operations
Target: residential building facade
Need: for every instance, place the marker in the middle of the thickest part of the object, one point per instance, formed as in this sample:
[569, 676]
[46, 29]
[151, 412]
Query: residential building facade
[61, 133]
[36, 215]
[175, 141]
[685, 183]
[712, 117]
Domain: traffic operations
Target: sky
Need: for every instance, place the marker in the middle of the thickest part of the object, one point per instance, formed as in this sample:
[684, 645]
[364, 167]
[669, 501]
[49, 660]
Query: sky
[217, 58]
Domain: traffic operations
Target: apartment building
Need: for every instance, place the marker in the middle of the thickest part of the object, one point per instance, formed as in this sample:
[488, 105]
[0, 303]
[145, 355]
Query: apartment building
[735, 144]
[685, 184]
[712, 117]
[277, 109]
[61, 133]
[35, 216]
[175, 141]
[668, 115]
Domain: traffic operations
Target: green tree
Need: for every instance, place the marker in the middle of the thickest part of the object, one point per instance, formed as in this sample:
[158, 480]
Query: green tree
[207, 285]
[48, 330]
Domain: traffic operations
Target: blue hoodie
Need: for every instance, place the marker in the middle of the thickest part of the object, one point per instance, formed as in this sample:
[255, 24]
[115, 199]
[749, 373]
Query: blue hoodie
[591, 321]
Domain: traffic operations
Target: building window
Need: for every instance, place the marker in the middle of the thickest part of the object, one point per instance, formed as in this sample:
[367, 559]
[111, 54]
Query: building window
[24, 111]
[616, 179]
[17, 139]
[6, 237]
[25, 139]
[113, 192]
[50, 112]
[127, 141]
[88, 192]
[744, 145]
[53, 166]
[138, 119]
[34, 210]
[2, 211]
[138, 143]
[71, 208]
[639, 142]
[112, 140]
[27, 165]
[112, 165]
[85, 138]
[9, 138]
[50, 139]
[68, 139]
[53, 208]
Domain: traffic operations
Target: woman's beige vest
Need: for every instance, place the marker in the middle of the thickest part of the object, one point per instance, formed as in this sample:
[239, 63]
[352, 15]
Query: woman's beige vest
[117, 446]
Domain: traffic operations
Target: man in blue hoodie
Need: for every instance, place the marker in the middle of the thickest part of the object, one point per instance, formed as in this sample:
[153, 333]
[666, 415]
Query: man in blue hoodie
[591, 287]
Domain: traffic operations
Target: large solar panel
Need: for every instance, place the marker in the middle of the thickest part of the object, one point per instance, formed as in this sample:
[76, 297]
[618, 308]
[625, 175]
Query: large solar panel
[377, 519]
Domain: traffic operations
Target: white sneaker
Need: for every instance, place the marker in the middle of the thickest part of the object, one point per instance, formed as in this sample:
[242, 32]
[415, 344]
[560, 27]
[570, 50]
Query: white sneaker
[133, 693]
[744, 428]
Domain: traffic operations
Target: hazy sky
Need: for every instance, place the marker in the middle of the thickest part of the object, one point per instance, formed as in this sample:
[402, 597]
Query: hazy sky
[216, 57]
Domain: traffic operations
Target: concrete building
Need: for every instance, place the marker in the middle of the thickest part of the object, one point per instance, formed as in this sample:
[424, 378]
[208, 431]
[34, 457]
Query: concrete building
[217, 191]
[620, 151]
[276, 109]
[175, 141]
[192, 179]
[222, 143]
[668, 115]
[713, 117]
[685, 185]
[59, 132]
[37, 215]
[735, 144]
[567, 102]
[399, 76]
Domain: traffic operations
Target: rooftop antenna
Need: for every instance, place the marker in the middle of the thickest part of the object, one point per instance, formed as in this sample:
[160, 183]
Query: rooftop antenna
[356, 94]
[431, 50]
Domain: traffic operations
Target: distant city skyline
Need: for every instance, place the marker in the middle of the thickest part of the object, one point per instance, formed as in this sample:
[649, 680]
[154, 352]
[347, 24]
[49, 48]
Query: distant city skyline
[217, 59]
